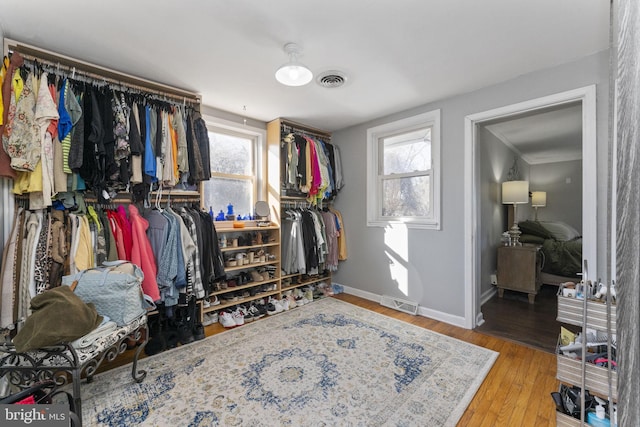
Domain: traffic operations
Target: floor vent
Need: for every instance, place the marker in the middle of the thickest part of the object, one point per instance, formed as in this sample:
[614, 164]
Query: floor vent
[410, 307]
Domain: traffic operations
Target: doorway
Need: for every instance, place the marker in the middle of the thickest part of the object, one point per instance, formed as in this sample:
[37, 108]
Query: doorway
[474, 184]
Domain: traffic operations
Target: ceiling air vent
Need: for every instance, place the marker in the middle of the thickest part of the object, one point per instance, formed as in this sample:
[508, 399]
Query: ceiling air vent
[331, 79]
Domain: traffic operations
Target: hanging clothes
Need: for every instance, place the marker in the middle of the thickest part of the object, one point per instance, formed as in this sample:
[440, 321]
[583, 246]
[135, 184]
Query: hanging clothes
[142, 254]
[310, 168]
[10, 273]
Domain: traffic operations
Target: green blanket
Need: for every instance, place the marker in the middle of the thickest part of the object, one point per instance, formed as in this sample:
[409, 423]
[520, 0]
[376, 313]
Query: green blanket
[562, 258]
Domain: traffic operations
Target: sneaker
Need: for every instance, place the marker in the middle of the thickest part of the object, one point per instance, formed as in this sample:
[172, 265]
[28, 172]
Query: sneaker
[299, 297]
[292, 301]
[261, 307]
[308, 294]
[215, 301]
[238, 317]
[207, 319]
[285, 304]
[277, 306]
[206, 303]
[248, 317]
[273, 306]
[255, 312]
[227, 320]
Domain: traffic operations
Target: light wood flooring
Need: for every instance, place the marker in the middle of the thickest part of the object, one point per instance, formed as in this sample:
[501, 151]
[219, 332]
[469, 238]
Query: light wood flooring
[516, 392]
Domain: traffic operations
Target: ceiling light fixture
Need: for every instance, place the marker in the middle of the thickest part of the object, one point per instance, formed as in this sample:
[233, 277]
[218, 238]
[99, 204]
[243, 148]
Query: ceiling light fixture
[293, 73]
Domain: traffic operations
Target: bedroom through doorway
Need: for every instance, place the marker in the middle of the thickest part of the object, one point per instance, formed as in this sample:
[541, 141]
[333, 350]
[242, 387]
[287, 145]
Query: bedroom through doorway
[545, 143]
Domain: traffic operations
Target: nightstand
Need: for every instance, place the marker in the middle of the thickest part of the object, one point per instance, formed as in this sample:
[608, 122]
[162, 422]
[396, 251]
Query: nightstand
[519, 270]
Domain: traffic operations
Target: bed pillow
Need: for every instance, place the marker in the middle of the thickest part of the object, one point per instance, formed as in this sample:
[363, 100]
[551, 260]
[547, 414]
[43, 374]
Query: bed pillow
[561, 231]
[535, 228]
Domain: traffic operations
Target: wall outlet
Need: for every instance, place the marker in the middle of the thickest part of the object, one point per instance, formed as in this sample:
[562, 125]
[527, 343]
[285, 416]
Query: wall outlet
[494, 279]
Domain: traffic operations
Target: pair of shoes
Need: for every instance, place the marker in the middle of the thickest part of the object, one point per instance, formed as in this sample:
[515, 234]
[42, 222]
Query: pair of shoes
[257, 277]
[238, 317]
[227, 319]
[260, 307]
[255, 312]
[274, 306]
[230, 297]
[210, 319]
[292, 300]
[244, 312]
[308, 294]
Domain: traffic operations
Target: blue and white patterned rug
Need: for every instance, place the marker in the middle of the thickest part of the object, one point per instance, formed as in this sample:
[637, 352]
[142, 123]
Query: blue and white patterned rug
[329, 363]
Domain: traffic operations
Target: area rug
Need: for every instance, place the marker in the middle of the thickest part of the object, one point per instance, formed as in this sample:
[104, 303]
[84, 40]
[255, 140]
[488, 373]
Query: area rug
[329, 363]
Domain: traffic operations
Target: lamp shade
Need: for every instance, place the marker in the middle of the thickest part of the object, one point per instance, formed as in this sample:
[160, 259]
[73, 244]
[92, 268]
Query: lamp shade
[293, 73]
[515, 192]
[539, 199]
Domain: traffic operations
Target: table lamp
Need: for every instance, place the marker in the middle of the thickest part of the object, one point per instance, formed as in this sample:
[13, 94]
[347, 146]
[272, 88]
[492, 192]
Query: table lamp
[538, 200]
[515, 193]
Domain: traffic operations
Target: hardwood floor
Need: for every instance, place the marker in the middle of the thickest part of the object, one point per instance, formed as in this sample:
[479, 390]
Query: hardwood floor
[514, 319]
[516, 392]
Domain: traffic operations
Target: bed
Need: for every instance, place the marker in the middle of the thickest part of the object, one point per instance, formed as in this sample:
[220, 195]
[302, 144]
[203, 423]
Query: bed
[561, 248]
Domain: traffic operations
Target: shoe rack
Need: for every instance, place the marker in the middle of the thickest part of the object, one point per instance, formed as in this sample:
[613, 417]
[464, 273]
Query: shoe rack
[252, 264]
[587, 312]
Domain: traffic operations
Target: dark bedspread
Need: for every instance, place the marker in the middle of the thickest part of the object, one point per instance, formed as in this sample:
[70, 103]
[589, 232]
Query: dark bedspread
[562, 258]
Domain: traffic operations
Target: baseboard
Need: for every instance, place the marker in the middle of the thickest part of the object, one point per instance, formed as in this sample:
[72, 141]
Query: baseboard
[488, 294]
[422, 311]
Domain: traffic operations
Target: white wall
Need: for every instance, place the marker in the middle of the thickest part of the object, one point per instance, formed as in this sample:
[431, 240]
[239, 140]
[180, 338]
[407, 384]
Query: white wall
[434, 259]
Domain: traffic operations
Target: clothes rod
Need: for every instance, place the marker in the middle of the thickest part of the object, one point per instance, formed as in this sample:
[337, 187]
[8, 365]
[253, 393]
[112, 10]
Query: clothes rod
[296, 127]
[97, 72]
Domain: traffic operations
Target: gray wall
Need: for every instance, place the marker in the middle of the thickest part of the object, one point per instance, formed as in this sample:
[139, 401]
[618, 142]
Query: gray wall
[435, 261]
[495, 161]
[564, 200]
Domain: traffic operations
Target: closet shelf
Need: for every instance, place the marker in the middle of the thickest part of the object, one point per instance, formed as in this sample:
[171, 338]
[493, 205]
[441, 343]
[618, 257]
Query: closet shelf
[227, 227]
[246, 266]
[242, 287]
[246, 248]
[224, 305]
[309, 281]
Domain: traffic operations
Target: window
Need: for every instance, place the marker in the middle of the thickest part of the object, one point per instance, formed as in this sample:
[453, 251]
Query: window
[403, 171]
[235, 154]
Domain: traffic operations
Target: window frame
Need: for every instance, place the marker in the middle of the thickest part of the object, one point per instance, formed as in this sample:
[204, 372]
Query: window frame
[376, 177]
[258, 136]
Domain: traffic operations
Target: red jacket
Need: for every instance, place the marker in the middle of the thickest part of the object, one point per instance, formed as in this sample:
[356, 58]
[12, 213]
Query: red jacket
[141, 253]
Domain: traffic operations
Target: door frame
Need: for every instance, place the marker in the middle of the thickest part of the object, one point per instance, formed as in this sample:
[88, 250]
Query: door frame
[587, 96]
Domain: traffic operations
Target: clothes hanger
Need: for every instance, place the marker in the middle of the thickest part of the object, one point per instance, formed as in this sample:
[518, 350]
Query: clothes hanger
[158, 198]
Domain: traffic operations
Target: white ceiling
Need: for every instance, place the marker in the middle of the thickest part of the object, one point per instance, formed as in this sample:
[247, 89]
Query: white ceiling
[548, 135]
[396, 55]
